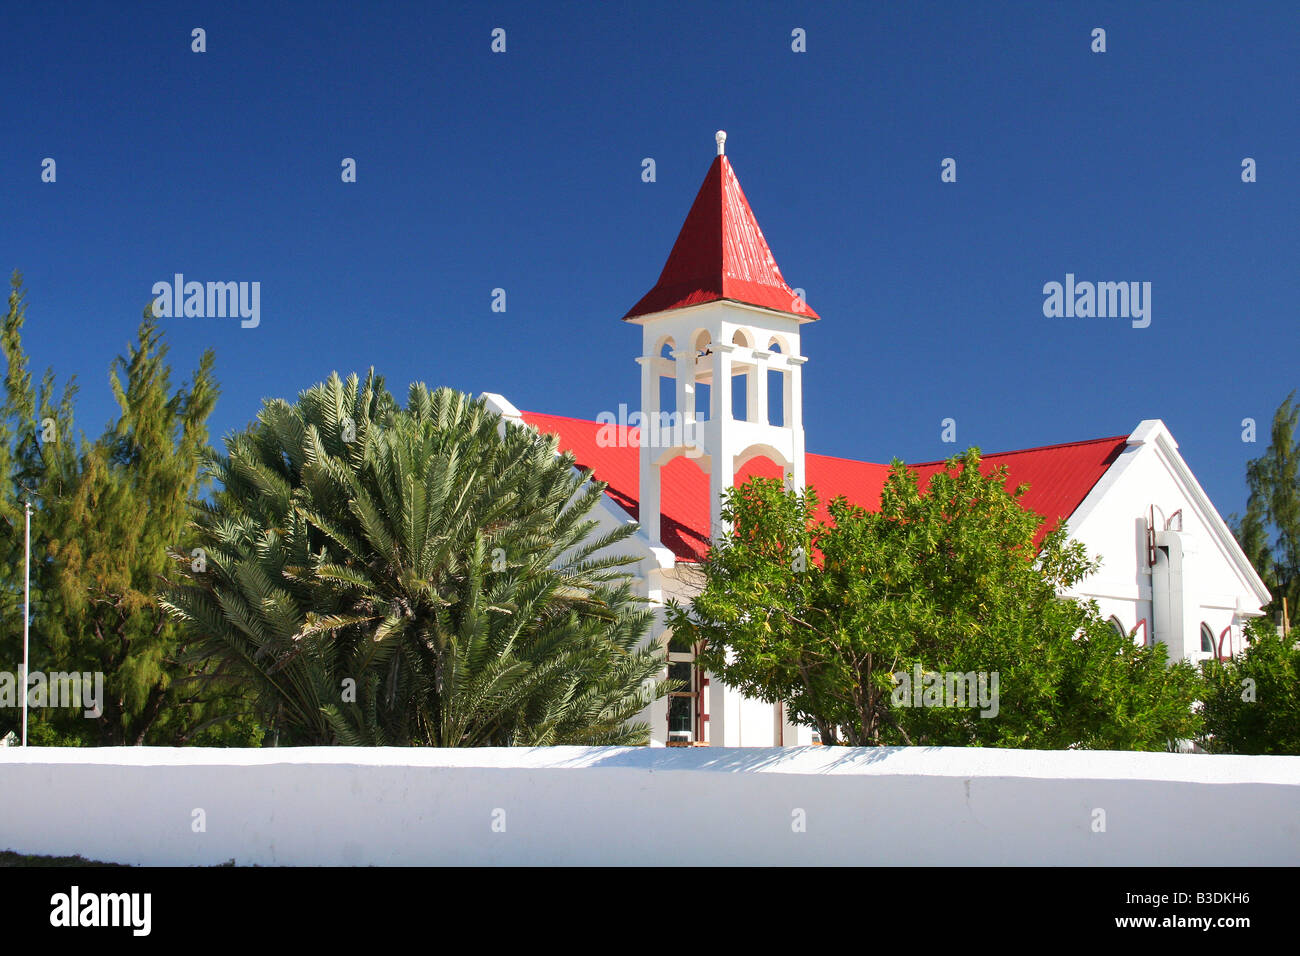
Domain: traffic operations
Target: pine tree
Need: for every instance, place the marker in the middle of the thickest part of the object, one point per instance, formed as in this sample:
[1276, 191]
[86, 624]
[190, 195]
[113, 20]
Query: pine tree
[107, 513]
[16, 415]
[34, 465]
[1270, 531]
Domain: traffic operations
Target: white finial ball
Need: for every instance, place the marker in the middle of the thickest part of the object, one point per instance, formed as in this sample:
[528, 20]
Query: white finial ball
[721, 137]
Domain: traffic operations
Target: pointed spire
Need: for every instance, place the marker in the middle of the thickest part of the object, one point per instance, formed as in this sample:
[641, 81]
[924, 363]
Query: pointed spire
[720, 253]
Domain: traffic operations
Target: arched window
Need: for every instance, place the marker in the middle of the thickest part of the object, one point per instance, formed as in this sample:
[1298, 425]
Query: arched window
[1117, 627]
[1207, 639]
[740, 379]
[776, 410]
[668, 383]
[703, 391]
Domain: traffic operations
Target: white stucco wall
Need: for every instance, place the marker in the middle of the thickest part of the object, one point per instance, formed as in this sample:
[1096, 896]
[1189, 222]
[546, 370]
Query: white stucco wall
[678, 806]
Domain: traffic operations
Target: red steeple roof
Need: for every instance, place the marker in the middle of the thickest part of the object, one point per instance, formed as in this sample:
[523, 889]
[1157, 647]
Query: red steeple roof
[721, 254]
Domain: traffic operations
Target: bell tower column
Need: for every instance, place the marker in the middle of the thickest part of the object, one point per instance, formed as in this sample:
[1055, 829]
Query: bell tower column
[720, 441]
[649, 507]
[794, 404]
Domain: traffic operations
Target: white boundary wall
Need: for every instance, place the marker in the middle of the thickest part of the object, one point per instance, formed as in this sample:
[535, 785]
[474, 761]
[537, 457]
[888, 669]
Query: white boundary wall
[675, 806]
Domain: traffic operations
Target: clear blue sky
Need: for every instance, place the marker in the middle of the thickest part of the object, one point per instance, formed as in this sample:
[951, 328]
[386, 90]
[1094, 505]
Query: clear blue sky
[522, 171]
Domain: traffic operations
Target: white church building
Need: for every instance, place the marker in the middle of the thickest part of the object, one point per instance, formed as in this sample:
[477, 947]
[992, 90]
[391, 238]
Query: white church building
[722, 367]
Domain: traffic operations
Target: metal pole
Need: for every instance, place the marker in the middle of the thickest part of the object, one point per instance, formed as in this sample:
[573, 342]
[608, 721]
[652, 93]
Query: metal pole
[27, 608]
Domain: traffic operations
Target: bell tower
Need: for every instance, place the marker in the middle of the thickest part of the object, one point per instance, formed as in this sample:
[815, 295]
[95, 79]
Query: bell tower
[720, 320]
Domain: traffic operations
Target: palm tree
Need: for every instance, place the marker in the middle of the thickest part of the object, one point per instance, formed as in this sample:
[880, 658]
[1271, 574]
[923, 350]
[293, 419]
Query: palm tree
[422, 575]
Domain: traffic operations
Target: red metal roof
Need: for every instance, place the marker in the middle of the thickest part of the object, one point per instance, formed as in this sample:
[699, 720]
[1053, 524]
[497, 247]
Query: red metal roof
[721, 254]
[1059, 478]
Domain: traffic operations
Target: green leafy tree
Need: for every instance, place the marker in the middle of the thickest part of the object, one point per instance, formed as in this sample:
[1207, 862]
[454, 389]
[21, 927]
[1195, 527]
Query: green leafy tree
[1252, 702]
[416, 575]
[1270, 531]
[823, 615]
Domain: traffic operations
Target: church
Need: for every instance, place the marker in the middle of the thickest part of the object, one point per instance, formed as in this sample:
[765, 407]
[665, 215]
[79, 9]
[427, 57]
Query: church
[721, 401]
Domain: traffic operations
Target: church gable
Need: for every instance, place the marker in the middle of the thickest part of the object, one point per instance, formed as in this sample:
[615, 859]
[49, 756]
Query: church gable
[1149, 513]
